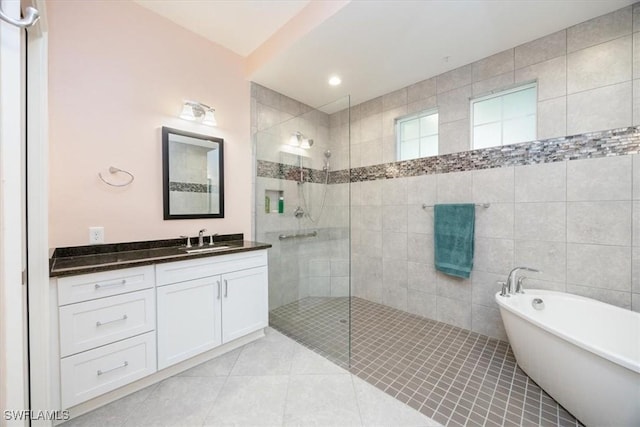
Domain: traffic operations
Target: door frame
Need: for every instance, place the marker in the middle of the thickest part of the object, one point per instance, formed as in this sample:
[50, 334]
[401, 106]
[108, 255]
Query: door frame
[13, 332]
[40, 353]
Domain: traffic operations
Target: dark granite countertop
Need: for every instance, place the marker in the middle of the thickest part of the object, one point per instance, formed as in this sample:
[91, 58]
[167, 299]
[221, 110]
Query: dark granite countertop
[76, 260]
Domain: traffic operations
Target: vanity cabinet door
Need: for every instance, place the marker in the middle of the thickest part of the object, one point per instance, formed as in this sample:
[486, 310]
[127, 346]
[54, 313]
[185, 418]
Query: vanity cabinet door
[245, 302]
[189, 319]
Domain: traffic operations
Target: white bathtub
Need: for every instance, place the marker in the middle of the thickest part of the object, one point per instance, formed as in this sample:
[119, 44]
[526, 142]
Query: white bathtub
[582, 352]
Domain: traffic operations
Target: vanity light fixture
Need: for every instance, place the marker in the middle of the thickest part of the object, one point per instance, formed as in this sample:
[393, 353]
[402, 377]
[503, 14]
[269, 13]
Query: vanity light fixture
[299, 140]
[197, 111]
[296, 139]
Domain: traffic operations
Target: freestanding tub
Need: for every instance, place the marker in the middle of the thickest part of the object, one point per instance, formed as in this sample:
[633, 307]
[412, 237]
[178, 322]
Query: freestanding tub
[582, 352]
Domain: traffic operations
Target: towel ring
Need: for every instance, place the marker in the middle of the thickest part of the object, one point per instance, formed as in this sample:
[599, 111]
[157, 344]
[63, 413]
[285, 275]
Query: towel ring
[114, 170]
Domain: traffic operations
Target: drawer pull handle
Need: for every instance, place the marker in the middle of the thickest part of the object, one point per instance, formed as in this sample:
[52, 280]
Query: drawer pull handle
[219, 289]
[106, 285]
[226, 288]
[99, 323]
[124, 365]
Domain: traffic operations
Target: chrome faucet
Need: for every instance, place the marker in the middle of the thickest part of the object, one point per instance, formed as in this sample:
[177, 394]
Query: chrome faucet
[201, 237]
[515, 286]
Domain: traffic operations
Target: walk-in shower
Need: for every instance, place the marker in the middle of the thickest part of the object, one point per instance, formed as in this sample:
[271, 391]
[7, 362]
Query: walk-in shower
[302, 209]
[453, 375]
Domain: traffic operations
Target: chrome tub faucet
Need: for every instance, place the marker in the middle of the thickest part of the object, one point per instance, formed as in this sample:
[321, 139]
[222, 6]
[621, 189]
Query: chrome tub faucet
[515, 286]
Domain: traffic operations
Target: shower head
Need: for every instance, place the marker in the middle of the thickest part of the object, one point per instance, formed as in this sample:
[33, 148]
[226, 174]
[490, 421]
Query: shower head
[327, 155]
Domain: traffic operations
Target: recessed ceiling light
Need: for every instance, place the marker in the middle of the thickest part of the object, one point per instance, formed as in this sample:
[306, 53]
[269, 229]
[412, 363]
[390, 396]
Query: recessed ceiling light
[335, 80]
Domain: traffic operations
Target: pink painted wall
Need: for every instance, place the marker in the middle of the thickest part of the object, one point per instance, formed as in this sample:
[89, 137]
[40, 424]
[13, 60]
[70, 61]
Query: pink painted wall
[117, 74]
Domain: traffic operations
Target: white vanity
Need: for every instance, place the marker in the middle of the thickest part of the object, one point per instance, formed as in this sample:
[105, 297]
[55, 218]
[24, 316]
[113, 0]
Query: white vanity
[208, 302]
[119, 330]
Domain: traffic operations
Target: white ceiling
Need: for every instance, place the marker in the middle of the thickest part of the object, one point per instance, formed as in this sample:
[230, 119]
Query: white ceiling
[238, 25]
[377, 46]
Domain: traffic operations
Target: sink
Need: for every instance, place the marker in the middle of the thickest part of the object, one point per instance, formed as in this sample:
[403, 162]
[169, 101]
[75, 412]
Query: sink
[205, 249]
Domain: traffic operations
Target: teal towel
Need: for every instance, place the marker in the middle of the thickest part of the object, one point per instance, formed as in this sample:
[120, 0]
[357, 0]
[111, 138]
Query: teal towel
[453, 238]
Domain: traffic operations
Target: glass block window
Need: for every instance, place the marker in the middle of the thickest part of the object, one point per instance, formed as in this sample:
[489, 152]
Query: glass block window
[417, 135]
[504, 118]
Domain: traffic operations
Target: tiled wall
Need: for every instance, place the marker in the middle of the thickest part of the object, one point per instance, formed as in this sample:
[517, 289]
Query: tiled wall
[585, 76]
[578, 221]
[192, 162]
[188, 188]
[313, 266]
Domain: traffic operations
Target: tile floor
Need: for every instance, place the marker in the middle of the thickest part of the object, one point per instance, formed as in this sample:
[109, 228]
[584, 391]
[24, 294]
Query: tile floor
[319, 323]
[273, 381]
[452, 375]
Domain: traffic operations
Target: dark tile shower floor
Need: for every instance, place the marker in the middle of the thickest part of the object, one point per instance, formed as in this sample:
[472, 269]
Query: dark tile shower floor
[319, 323]
[452, 375]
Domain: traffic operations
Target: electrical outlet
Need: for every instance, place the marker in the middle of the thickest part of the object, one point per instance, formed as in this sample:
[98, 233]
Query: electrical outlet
[96, 235]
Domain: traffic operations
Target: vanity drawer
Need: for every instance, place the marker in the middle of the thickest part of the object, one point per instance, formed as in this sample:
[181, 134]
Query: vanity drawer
[92, 373]
[97, 285]
[90, 324]
[182, 271]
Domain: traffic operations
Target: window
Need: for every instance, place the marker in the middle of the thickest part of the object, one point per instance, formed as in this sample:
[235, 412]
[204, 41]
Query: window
[417, 135]
[504, 118]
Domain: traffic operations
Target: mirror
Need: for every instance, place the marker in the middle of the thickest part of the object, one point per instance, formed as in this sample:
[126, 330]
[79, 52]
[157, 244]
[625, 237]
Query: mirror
[192, 175]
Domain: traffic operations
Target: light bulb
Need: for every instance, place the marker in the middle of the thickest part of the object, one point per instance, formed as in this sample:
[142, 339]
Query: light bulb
[187, 112]
[209, 119]
[295, 139]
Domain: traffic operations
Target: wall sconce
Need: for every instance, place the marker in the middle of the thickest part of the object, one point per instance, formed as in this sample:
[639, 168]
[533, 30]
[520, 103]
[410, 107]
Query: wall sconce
[197, 111]
[299, 140]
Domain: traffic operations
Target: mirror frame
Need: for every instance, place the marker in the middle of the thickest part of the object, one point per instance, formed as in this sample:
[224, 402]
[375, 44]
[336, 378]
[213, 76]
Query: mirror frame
[166, 131]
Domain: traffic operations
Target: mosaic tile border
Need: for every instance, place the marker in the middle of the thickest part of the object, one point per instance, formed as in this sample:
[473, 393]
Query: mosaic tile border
[190, 187]
[267, 169]
[613, 142]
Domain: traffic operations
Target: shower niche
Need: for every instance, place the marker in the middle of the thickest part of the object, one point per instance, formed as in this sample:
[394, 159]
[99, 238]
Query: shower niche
[273, 201]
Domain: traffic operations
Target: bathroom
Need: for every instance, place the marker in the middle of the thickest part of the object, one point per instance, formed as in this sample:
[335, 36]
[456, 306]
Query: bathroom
[349, 221]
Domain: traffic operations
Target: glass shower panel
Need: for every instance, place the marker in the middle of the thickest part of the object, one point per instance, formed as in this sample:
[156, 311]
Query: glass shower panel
[302, 209]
